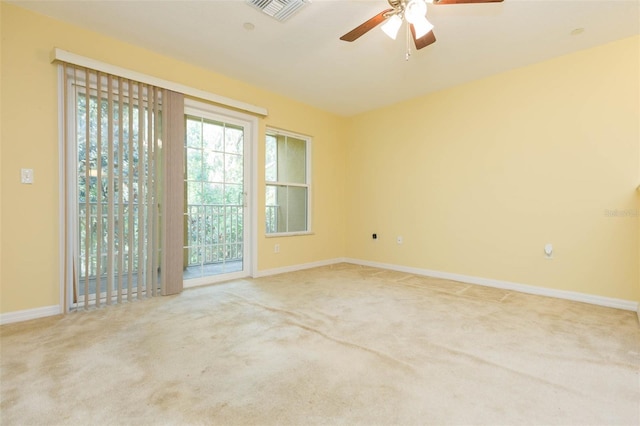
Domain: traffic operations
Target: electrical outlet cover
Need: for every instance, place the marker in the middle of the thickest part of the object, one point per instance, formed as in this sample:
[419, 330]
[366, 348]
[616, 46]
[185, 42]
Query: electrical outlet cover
[548, 249]
[26, 175]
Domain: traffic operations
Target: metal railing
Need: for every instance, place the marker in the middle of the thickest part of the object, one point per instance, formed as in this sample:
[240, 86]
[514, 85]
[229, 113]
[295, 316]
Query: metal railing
[213, 233]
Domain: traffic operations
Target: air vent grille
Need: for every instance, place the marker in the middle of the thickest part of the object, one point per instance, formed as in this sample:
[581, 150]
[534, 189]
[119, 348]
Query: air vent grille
[278, 9]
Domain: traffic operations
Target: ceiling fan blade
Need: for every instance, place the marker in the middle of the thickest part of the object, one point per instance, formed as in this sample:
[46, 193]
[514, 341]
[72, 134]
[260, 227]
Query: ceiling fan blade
[425, 40]
[365, 27]
[465, 1]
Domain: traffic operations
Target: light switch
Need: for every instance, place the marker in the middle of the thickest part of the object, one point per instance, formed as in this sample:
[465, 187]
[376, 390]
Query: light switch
[26, 176]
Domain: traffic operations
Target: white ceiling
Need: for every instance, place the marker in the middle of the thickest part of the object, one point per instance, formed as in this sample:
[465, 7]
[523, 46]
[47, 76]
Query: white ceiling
[304, 59]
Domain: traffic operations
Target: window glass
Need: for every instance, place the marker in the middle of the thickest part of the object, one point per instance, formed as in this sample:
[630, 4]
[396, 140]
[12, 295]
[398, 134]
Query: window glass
[287, 183]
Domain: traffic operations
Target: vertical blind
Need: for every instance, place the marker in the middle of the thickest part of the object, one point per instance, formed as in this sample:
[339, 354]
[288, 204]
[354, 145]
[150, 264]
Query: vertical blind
[117, 198]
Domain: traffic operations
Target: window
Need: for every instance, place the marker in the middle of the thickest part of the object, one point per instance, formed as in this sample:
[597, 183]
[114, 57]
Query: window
[287, 178]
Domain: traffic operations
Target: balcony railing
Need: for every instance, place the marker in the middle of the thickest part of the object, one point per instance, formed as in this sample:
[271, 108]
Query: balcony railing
[213, 233]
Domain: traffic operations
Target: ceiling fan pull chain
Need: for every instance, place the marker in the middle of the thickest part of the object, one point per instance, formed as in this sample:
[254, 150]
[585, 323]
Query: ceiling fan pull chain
[407, 54]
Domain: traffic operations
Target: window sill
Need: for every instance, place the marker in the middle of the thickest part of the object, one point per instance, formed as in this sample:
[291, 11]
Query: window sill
[289, 234]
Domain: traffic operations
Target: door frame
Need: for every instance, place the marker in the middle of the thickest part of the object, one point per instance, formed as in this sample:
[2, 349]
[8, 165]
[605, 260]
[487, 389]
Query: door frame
[250, 157]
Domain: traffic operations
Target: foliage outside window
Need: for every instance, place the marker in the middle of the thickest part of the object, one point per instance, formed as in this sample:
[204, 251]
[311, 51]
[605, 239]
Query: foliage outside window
[287, 183]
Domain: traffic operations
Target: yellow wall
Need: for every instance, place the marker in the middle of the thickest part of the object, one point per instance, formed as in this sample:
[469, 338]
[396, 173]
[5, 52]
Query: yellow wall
[638, 202]
[478, 178]
[0, 158]
[30, 218]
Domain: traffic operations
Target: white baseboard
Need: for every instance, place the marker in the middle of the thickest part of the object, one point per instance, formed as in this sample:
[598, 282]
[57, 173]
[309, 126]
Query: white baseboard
[627, 305]
[29, 314]
[293, 268]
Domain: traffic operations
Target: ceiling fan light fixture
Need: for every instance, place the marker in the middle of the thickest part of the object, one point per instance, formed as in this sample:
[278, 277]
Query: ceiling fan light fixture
[415, 11]
[422, 27]
[392, 26]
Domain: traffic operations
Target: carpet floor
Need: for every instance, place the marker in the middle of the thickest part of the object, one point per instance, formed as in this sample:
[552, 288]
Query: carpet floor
[337, 345]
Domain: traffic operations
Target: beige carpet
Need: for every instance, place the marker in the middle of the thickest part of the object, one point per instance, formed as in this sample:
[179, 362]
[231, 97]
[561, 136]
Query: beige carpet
[334, 345]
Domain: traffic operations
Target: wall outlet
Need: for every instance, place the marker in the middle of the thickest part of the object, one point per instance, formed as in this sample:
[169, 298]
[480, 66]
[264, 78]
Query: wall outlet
[26, 176]
[276, 248]
[399, 239]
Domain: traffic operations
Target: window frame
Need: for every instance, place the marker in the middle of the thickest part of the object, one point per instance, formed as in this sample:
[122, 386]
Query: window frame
[271, 131]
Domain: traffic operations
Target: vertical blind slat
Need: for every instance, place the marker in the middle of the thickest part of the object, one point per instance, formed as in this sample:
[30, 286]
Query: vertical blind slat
[69, 245]
[141, 192]
[87, 210]
[99, 236]
[156, 197]
[149, 222]
[130, 195]
[120, 139]
[173, 203]
[156, 194]
[110, 192]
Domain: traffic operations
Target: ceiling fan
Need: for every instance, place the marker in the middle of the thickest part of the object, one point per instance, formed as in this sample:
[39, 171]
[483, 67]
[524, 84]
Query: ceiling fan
[412, 11]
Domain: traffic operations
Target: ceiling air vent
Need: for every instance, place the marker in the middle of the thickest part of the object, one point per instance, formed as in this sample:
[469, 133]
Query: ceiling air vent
[278, 9]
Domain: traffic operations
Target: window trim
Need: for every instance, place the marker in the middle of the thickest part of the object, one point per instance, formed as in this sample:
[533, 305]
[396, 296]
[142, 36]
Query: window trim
[272, 131]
